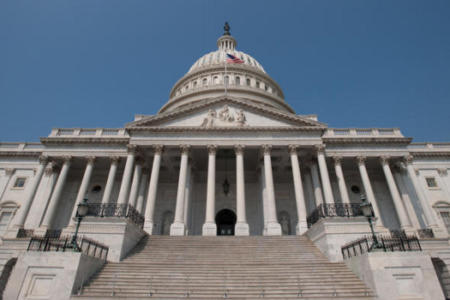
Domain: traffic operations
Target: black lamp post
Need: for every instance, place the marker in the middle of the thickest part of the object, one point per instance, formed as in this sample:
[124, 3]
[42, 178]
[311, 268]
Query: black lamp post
[82, 211]
[368, 212]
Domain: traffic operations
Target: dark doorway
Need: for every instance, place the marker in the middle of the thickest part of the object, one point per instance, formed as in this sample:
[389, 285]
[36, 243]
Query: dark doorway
[225, 221]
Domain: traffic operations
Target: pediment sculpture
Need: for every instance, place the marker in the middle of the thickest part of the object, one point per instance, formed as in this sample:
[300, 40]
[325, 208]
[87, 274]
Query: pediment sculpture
[225, 117]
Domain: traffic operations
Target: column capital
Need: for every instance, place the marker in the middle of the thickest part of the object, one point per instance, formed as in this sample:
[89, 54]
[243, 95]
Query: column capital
[293, 149]
[132, 149]
[337, 160]
[185, 149]
[239, 149]
[51, 168]
[114, 159]
[384, 159]
[158, 149]
[442, 171]
[266, 149]
[67, 158]
[361, 159]
[212, 149]
[408, 159]
[320, 148]
[43, 159]
[90, 159]
[9, 171]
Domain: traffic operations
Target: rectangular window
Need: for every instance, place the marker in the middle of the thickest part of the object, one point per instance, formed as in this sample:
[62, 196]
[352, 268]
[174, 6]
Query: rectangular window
[446, 218]
[20, 182]
[5, 217]
[431, 182]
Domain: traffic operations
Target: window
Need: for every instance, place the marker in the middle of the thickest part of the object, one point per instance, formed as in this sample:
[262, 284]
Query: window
[258, 84]
[195, 83]
[266, 88]
[355, 189]
[431, 182]
[5, 217]
[205, 81]
[20, 182]
[248, 82]
[96, 189]
[216, 80]
[226, 80]
[238, 80]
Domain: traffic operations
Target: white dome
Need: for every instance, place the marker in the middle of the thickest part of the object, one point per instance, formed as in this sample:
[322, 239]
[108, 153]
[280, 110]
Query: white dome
[218, 57]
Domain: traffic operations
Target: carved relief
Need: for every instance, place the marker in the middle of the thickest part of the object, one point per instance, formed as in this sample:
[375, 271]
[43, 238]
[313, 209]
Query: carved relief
[225, 117]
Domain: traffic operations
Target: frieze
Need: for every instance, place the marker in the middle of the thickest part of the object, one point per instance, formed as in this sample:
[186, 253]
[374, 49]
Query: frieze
[225, 117]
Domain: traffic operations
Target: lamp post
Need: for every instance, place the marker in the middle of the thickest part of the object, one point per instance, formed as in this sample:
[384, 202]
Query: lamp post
[82, 211]
[368, 212]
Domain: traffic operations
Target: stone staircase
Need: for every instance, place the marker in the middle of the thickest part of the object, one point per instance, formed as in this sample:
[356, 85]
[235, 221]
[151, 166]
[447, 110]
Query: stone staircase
[195, 267]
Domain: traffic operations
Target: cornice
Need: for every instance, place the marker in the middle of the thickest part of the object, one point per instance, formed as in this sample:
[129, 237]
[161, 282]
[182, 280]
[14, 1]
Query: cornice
[84, 140]
[223, 129]
[21, 153]
[371, 140]
[430, 154]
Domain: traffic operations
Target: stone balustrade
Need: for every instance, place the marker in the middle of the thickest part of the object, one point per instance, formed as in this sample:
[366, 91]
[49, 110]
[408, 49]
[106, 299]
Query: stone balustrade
[362, 132]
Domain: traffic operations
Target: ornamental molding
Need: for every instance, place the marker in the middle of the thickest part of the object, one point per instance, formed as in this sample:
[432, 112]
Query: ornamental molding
[224, 117]
[361, 159]
[337, 159]
[431, 154]
[20, 154]
[275, 113]
[384, 159]
[442, 171]
[365, 140]
[408, 159]
[185, 149]
[9, 171]
[239, 149]
[212, 149]
[293, 149]
[83, 140]
[266, 149]
[158, 149]
[225, 129]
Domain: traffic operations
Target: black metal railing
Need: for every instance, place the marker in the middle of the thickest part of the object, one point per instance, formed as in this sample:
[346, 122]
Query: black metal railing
[85, 245]
[53, 233]
[334, 210]
[116, 210]
[425, 233]
[386, 244]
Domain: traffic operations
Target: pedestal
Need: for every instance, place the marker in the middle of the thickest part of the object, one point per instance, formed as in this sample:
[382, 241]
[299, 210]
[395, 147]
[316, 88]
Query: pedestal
[209, 229]
[177, 229]
[301, 228]
[148, 227]
[273, 229]
[241, 229]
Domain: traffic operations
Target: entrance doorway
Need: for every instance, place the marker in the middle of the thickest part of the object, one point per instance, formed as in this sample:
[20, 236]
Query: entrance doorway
[225, 222]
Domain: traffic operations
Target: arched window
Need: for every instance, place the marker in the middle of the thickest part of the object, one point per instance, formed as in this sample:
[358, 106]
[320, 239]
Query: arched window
[248, 82]
[215, 80]
[205, 81]
[226, 80]
[266, 87]
[238, 80]
[195, 83]
[258, 85]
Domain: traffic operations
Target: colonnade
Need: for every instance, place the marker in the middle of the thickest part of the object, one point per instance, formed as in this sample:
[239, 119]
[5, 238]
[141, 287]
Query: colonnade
[135, 179]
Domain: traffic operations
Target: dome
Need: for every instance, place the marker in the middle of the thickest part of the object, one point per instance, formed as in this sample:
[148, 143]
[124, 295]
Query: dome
[213, 76]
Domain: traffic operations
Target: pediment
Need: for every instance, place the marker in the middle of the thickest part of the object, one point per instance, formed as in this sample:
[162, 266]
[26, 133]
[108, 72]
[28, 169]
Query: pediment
[226, 113]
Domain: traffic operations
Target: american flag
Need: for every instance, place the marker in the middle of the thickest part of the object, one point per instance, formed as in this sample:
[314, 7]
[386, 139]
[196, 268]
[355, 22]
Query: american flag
[231, 59]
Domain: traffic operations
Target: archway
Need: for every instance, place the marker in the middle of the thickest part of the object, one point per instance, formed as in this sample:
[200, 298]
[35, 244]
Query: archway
[225, 221]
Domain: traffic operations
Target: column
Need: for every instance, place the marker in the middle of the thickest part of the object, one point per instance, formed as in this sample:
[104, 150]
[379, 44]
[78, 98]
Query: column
[187, 196]
[430, 218]
[178, 227]
[318, 196]
[110, 181]
[152, 189]
[406, 200]
[83, 187]
[142, 188]
[126, 177]
[209, 227]
[302, 225]
[272, 225]
[23, 211]
[341, 180]
[328, 193]
[401, 213]
[443, 182]
[8, 172]
[241, 223]
[54, 200]
[51, 176]
[135, 184]
[368, 189]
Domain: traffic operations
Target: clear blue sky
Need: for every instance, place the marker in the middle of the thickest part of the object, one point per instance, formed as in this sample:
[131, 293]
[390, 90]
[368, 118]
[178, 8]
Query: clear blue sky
[96, 63]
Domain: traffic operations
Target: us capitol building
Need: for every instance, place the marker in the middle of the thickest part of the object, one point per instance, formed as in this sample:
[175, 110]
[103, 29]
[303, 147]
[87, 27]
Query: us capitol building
[226, 192]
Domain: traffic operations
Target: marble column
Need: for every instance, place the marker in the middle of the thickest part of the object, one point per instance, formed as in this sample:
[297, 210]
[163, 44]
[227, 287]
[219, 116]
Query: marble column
[187, 197]
[126, 177]
[110, 181]
[8, 173]
[302, 225]
[272, 225]
[318, 196]
[24, 210]
[83, 187]
[136, 181]
[430, 219]
[178, 227]
[209, 227]
[54, 200]
[328, 193]
[341, 180]
[406, 200]
[51, 176]
[400, 209]
[368, 189]
[152, 190]
[241, 228]
[142, 189]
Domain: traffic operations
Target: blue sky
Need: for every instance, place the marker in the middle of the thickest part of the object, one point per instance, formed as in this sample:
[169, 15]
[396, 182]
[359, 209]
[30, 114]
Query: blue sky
[96, 63]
